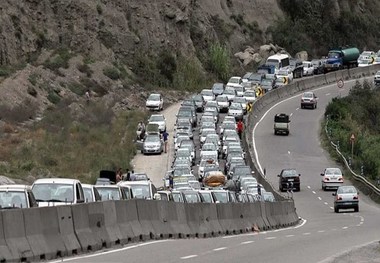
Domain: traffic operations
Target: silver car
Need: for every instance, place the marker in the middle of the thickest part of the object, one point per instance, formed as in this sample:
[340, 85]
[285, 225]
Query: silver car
[152, 144]
[346, 197]
[236, 110]
[160, 120]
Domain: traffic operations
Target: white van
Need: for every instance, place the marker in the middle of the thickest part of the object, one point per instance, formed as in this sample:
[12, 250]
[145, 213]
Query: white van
[278, 61]
[57, 191]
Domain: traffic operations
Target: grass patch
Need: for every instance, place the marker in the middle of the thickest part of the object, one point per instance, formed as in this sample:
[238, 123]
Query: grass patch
[59, 60]
[19, 113]
[85, 69]
[63, 146]
[219, 61]
[112, 72]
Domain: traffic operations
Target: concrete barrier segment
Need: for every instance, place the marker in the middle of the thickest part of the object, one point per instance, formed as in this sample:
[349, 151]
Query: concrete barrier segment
[15, 235]
[110, 223]
[5, 253]
[66, 230]
[127, 220]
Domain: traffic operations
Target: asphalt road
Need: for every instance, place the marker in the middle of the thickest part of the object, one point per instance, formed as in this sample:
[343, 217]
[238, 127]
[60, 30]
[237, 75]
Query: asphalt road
[322, 233]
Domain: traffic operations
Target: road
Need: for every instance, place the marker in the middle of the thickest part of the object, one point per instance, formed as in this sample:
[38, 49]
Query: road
[322, 233]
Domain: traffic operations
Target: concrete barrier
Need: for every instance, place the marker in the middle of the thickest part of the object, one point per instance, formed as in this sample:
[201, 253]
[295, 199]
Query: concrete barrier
[36, 232]
[331, 77]
[319, 80]
[194, 220]
[168, 215]
[209, 219]
[66, 229]
[110, 223]
[230, 221]
[15, 236]
[127, 220]
[252, 213]
[184, 228]
[5, 253]
[83, 231]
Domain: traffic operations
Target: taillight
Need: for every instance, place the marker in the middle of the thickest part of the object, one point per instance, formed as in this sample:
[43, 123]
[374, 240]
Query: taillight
[340, 179]
[296, 179]
[339, 197]
[356, 197]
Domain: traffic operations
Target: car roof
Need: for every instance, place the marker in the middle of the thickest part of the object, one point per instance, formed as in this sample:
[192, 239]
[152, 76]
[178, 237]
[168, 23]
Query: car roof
[14, 187]
[107, 186]
[56, 180]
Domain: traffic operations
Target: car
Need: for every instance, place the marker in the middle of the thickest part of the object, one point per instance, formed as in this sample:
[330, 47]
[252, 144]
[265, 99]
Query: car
[247, 182]
[193, 112]
[242, 101]
[110, 192]
[377, 78]
[236, 110]
[226, 126]
[205, 132]
[308, 68]
[204, 163]
[179, 137]
[234, 82]
[213, 138]
[268, 197]
[309, 99]
[280, 81]
[91, 194]
[346, 197]
[57, 191]
[223, 103]
[155, 102]
[206, 196]
[217, 89]
[364, 62]
[191, 196]
[255, 78]
[182, 171]
[140, 189]
[189, 144]
[268, 84]
[212, 111]
[377, 60]
[207, 95]
[289, 179]
[186, 129]
[158, 119]
[177, 196]
[16, 196]
[230, 93]
[331, 178]
[296, 67]
[199, 102]
[207, 147]
[221, 196]
[185, 115]
[285, 73]
[249, 95]
[281, 124]
[152, 144]
[164, 195]
[319, 65]
[184, 153]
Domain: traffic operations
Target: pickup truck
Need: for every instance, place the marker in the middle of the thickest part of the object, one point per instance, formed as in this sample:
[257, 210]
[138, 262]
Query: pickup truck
[281, 124]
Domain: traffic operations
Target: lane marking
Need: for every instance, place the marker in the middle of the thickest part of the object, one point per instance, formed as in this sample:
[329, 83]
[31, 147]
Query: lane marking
[288, 152]
[269, 238]
[297, 108]
[302, 224]
[331, 207]
[246, 242]
[190, 256]
[243, 235]
[314, 192]
[291, 114]
[345, 227]
[289, 236]
[112, 251]
[326, 203]
[321, 231]
[319, 198]
[327, 94]
[219, 248]
[306, 234]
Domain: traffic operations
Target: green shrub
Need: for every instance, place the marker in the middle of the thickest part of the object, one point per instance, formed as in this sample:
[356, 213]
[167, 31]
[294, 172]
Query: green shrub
[53, 97]
[112, 72]
[60, 60]
[84, 68]
[219, 61]
[77, 88]
[190, 76]
[33, 78]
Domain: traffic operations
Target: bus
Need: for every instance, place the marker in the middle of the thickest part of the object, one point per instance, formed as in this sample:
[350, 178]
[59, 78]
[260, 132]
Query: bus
[278, 61]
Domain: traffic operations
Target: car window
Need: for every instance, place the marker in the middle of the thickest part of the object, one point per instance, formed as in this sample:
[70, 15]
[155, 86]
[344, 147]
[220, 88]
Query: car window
[286, 173]
[16, 199]
[346, 190]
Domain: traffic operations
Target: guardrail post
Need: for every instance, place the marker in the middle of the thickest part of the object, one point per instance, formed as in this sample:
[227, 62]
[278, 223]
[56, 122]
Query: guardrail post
[349, 161]
[362, 170]
[337, 145]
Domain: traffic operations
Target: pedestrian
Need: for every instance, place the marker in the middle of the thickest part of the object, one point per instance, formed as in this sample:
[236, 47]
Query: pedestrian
[240, 127]
[87, 95]
[132, 176]
[171, 182]
[165, 136]
[140, 130]
[128, 177]
[119, 175]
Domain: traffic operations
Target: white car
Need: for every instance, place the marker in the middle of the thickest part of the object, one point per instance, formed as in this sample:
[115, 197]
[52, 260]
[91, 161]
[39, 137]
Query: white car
[155, 102]
[377, 77]
[236, 110]
[331, 178]
[364, 62]
[223, 103]
[377, 60]
[250, 95]
[207, 95]
[207, 148]
[308, 68]
[16, 196]
[234, 82]
[285, 73]
[230, 93]
[158, 119]
[205, 132]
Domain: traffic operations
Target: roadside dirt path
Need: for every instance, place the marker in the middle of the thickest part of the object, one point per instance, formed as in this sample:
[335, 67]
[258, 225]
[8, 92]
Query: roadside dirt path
[156, 166]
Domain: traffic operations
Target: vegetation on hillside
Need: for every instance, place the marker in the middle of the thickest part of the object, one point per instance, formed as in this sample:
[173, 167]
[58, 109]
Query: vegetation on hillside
[358, 114]
[316, 26]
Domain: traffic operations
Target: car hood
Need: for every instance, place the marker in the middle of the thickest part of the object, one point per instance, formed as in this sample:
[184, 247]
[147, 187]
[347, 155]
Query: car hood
[152, 102]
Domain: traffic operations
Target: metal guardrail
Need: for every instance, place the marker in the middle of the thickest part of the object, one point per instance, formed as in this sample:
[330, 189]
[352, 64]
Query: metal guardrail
[356, 176]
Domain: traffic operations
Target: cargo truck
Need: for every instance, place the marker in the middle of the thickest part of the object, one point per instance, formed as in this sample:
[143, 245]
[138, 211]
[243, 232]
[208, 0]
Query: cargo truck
[340, 58]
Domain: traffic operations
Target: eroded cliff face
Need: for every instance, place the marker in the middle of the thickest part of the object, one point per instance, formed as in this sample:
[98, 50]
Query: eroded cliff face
[119, 28]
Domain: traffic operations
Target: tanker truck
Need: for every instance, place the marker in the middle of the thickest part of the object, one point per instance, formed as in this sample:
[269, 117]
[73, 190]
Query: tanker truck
[340, 58]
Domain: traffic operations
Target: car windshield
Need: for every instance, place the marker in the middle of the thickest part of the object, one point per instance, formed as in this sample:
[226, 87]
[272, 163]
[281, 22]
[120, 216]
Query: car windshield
[154, 97]
[221, 99]
[183, 153]
[207, 198]
[140, 191]
[242, 170]
[208, 147]
[12, 199]
[109, 193]
[346, 190]
[54, 192]
[191, 197]
[235, 106]
[229, 92]
[205, 132]
[282, 72]
[333, 55]
[207, 92]
[307, 95]
[222, 197]
[156, 118]
[286, 173]
[272, 62]
[233, 80]
[333, 171]
[181, 171]
[240, 100]
[150, 138]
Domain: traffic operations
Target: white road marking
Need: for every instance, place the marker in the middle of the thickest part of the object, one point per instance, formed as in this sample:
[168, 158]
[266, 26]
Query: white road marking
[289, 236]
[247, 242]
[326, 203]
[361, 219]
[288, 152]
[302, 224]
[321, 231]
[313, 192]
[359, 224]
[112, 251]
[242, 235]
[331, 207]
[269, 238]
[291, 114]
[345, 227]
[190, 256]
[328, 94]
[219, 248]
[297, 108]
[319, 198]
[306, 234]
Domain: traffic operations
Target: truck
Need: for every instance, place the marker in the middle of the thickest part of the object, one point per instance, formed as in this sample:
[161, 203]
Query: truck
[281, 123]
[340, 58]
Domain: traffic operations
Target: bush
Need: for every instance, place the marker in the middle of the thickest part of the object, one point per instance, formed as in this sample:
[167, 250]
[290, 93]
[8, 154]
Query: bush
[53, 97]
[60, 60]
[84, 68]
[112, 72]
[219, 62]
[189, 76]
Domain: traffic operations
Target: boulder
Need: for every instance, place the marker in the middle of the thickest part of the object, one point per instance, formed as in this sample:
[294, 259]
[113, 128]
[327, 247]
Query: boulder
[302, 55]
[248, 56]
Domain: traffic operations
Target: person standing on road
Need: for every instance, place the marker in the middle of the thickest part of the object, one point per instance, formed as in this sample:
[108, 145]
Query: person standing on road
[240, 127]
[165, 136]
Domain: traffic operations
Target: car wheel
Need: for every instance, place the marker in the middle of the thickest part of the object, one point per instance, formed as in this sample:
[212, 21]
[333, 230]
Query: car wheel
[356, 209]
[301, 106]
[280, 188]
[323, 188]
[336, 209]
[275, 132]
[287, 133]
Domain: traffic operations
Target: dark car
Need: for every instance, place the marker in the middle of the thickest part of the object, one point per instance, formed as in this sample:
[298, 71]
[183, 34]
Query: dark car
[319, 66]
[289, 179]
[217, 89]
[199, 102]
[296, 67]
